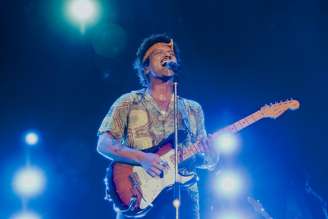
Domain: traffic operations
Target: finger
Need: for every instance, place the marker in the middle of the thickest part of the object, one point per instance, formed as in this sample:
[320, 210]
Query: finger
[158, 166]
[150, 172]
[156, 171]
[207, 145]
[162, 165]
[203, 146]
[166, 164]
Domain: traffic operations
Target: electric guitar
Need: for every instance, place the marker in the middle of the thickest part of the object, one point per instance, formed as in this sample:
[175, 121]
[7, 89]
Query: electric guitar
[133, 190]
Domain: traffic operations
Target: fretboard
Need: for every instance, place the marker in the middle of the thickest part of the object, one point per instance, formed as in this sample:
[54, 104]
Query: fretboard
[233, 128]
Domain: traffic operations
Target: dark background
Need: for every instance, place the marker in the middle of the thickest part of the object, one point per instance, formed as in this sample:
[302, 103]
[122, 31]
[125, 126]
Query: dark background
[237, 55]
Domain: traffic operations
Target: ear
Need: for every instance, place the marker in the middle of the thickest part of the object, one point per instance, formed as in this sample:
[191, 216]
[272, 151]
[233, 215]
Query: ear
[171, 44]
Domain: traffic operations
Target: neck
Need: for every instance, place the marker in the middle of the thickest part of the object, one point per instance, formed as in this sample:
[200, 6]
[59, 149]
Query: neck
[161, 90]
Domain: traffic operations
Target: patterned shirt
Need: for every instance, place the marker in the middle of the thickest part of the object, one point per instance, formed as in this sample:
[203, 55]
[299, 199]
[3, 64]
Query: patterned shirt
[137, 120]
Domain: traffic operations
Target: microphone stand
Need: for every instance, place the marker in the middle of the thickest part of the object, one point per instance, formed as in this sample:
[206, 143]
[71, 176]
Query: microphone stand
[176, 201]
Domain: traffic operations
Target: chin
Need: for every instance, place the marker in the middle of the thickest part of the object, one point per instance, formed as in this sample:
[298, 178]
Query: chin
[168, 73]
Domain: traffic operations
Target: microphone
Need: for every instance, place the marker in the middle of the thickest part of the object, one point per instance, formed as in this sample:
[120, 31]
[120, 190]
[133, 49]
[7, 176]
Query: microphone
[175, 67]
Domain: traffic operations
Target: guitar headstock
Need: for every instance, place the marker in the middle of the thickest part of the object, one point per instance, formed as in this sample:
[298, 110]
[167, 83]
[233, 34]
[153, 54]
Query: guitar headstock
[277, 109]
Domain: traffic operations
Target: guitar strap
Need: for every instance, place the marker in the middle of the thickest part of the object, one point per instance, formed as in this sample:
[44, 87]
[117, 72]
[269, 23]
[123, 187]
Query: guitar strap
[184, 113]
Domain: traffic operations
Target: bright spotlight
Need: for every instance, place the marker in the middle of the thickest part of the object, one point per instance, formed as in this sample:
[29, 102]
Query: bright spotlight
[227, 143]
[82, 11]
[231, 214]
[29, 181]
[228, 184]
[31, 138]
[25, 215]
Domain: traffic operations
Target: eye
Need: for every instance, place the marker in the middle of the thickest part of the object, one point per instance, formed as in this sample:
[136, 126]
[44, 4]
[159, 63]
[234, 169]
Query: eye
[157, 53]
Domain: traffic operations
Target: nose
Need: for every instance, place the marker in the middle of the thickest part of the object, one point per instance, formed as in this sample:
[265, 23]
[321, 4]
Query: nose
[169, 55]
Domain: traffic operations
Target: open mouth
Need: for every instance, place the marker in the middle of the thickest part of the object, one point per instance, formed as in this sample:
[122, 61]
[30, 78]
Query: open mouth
[164, 61]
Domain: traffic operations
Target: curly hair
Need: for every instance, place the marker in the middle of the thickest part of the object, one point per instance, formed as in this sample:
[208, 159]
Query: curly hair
[140, 64]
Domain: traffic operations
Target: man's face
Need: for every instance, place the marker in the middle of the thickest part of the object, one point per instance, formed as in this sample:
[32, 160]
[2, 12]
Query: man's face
[158, 54]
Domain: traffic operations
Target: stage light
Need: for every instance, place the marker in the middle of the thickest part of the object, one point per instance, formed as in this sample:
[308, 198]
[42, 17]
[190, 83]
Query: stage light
[31, 138]
[231, 214]
[28, 182]
[25, 215]
[228, 184]
[227, 143]
[82, 11]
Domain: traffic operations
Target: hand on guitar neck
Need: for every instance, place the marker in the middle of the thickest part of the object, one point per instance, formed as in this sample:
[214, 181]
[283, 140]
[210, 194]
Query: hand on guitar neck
[206, 146]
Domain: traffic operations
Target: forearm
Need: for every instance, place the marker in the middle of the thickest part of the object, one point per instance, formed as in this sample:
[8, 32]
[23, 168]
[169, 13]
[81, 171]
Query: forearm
[209, 156]
[114, 150]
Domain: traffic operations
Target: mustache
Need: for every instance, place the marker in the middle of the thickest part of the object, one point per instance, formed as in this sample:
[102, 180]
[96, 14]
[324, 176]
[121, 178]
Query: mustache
[172, 65]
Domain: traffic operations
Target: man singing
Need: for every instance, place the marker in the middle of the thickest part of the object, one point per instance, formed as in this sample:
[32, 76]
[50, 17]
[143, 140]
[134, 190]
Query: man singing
[141, 119]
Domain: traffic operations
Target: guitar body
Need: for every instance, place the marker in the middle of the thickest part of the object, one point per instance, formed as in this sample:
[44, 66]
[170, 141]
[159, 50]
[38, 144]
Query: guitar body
[133, 190]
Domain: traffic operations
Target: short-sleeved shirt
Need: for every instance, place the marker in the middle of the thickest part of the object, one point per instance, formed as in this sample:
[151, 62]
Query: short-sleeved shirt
[138, 122]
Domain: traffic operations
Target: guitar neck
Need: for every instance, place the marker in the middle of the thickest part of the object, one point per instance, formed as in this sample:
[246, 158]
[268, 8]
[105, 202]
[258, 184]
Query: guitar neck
[233, 128]
[241, 124]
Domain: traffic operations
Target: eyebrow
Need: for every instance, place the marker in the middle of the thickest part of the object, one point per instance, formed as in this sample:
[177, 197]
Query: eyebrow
[157, 50]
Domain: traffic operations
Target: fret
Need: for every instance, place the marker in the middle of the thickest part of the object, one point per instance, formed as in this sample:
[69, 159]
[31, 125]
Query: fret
[189, 150]
[253, 116]
[237, 125]
[194, 149]
[244, 123]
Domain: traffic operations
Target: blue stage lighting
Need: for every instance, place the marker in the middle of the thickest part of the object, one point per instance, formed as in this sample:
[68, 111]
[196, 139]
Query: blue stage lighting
[228, 184]
[31, 138]
[29, 181]
[25, 215]
[227, 143]
[82, 11]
